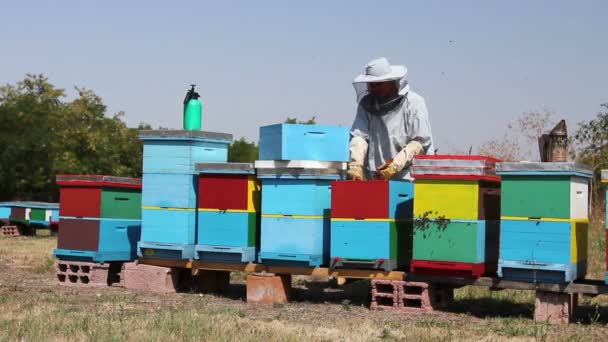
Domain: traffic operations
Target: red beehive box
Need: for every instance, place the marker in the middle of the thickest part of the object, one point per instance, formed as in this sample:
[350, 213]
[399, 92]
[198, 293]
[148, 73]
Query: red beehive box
[81, 195]
[228, 186]
[371, 199]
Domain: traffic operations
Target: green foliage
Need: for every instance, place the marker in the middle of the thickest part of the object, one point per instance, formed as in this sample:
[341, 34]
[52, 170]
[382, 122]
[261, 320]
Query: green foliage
[311, 121]
[42, 136]
[242, 151]
[592, 140]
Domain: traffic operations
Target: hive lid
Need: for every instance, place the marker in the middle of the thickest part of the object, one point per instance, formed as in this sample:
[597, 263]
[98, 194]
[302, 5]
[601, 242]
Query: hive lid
[171, 134]
[454, 166]
[299, 164]
[225, 168]
[292, 173]
[542, 168]
[98, 180]
[604, 176]
[31, 204]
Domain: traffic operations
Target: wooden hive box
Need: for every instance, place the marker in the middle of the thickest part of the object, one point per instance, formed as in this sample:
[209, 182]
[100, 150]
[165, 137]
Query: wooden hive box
[304, 142]
[375, 232]
[228, 213]
[99, 218]
[547, 250]
[456, 216]
[176, 151]
[296, 203]
[97, 196]
[545, 190]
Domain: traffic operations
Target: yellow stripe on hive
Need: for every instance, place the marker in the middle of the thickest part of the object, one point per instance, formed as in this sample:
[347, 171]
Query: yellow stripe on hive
[293, 216]
[371, 219]
[579, 240]
[546, 219]
[166, 208]
[253, 194]
[226, 210]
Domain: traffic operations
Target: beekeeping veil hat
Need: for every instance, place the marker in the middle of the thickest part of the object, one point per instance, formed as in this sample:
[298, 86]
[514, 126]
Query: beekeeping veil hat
[380, 70]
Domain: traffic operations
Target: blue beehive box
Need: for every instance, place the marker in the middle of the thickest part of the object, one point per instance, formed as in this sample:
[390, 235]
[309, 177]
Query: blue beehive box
[375, 233]
[55, 216]
[296, 206]
[296, 197]
[175, 151]
[105, 240]
[168, 233]
[543, 250]
[169, 190]
[304, 142]
[227, 236]
[294, 240]
[5, 211]
[228, 217]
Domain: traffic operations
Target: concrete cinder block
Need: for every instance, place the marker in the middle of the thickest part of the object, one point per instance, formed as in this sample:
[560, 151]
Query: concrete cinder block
[10, 231]
[268, 288]
[555, 307]
[78, 273]
[150, 278]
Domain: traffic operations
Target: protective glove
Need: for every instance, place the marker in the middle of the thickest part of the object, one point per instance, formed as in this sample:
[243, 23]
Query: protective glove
[394, 166]
[355, 172]
[387, 171]
[358, 150]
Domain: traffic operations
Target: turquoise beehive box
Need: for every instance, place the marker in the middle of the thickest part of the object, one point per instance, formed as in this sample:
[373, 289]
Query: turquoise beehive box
[304, 142]
[296, 204]
[170, 189]
[176, 151]
[544, 221]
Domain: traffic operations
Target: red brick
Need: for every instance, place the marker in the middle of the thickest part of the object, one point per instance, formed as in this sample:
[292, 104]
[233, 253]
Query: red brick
[555, 307]
[150, 278]
[268, 289]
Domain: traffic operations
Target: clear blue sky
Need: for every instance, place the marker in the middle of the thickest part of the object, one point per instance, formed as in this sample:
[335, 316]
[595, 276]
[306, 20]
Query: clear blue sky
[256, 62]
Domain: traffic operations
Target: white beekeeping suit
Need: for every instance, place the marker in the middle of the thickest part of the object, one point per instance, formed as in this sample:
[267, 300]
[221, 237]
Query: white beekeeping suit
[388, 131]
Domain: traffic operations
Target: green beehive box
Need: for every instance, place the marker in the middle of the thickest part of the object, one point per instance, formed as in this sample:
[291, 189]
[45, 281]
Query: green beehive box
[456, 241]
[121, 203]
[544, 190]
[37, 214]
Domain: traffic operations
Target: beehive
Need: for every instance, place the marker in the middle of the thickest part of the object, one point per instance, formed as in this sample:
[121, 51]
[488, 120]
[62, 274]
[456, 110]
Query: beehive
[100, 218]
[170, 189]
[304, 142]
[456, 215]
[296, 205]
[371, 224]
[544, 221]
[228, 212]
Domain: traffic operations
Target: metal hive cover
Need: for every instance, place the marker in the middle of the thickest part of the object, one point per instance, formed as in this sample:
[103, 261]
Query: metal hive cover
[543, 167]
[246, 168]
[173, 133]
[98, 179]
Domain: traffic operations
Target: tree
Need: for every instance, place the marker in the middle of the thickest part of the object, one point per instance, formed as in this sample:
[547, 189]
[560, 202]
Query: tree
[311, 121]
[591, 140]
[242, 151]
[43, 136]
[520, 140]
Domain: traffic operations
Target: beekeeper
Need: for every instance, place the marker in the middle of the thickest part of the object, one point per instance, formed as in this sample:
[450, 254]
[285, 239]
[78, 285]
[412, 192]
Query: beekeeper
[391, 126]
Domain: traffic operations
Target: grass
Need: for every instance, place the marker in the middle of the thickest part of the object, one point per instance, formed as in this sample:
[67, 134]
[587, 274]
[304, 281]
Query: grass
[34, 308]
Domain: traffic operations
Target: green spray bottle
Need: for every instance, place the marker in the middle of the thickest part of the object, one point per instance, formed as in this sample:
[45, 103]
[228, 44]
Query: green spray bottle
[193, 110]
